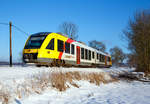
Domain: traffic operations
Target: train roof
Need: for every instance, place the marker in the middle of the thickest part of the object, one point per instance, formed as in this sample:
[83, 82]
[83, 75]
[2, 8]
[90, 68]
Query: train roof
[41, 33]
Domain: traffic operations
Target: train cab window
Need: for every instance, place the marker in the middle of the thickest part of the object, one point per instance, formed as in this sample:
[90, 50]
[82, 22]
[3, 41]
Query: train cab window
[72, 49]
[67, 47]
[60, 45]
[82, 53]
[89, 55]
[86, 54]
[51, 45]
[93, 55]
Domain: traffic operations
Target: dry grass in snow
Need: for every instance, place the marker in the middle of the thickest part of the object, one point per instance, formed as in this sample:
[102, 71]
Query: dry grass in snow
[59, 80]
[4, 94]
[47, 80]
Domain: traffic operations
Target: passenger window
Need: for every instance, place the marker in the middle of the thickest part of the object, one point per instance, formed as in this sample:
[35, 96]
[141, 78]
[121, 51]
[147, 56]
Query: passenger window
[100, 58]
[67, 47]
[103, 58]
[108, 59]
[82, 53]
[89, 55]
[97, 56]
[60, 45]
[51, 45]
[93, 55]
[86, 54]
[72, 49]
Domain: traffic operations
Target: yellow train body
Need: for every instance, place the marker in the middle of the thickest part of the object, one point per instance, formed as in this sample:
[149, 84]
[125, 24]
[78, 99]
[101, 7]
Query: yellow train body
[46, 53]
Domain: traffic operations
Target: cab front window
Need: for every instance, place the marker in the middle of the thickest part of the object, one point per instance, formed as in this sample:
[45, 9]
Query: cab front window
[35, 42]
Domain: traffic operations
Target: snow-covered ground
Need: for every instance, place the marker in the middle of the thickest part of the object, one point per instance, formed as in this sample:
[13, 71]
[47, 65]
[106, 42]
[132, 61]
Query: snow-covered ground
[112, 93]
[120, 92]
[19, 72]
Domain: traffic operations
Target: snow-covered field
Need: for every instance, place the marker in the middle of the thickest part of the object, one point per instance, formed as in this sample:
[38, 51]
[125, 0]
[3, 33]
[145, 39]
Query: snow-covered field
[112, 93]
[120, 92]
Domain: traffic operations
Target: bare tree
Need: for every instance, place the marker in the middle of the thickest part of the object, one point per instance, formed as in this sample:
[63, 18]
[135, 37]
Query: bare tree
[69, 29]
[97, 45]
[117, 55]
[131, 60]
[138, 37]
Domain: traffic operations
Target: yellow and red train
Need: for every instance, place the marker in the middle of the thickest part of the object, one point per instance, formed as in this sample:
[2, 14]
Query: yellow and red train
[54, 49]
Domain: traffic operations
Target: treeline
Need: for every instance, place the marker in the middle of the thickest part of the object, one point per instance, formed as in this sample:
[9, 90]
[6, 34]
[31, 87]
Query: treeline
[137, 35]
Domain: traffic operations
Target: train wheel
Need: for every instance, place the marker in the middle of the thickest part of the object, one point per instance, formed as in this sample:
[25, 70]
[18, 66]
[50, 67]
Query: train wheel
[53, 63]
[38, 65]
[63, 63]
[59, 63]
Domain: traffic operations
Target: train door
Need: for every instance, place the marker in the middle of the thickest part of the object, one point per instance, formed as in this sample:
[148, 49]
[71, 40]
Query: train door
[78, 55]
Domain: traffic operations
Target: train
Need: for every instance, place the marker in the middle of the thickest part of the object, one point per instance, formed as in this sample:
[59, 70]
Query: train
[56, 49]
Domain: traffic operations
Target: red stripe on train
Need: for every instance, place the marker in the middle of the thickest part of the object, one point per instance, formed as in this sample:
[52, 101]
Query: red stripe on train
[70, 40]
[60, 55]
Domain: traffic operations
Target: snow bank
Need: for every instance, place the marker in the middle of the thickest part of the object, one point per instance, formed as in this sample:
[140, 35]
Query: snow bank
[112, 93]
[28, 80]
[87, 93]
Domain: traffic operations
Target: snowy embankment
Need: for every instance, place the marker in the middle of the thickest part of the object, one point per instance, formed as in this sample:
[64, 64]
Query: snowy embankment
[26, 88]
[21, 82]
[112, 93]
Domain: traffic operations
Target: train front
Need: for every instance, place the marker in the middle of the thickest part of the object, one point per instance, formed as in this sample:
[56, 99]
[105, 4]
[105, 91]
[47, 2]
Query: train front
[32, 47]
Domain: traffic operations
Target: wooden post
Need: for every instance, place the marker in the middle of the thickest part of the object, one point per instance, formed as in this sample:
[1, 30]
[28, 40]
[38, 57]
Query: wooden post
[10, 63]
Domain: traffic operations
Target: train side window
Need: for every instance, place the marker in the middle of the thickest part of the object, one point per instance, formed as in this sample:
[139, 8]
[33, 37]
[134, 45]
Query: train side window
[89, 55]
[108, 59]
[67, 47]
[100, 57]
[93, 55]
[97, 56]
[51, 45]
[103, 58]
[72, 49]
[86, 54]
[82, 53]
[60, 45]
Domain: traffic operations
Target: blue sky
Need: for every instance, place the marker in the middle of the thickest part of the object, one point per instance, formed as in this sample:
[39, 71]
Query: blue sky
[102, 20]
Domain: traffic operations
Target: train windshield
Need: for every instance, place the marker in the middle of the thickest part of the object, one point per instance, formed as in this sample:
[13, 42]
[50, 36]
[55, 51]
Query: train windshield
[35, 42]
